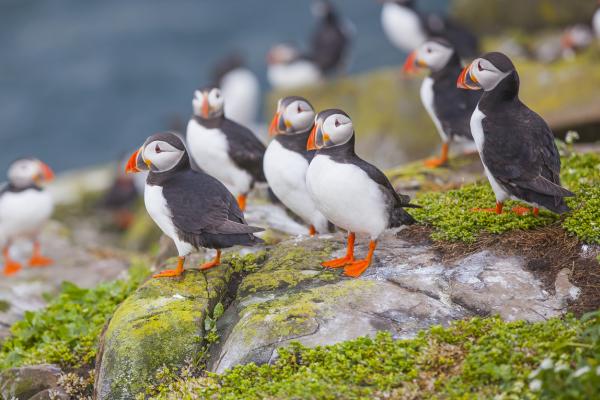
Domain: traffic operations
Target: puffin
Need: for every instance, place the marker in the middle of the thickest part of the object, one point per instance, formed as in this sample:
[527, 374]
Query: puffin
[351, 193]
[286, 160]
[515, 144]
[240, 88]
[288, 68]
[407, 28]
[191, 207]
[331, 37]
[25, 206]
[223, 148]
[449, 108]
[121, 196]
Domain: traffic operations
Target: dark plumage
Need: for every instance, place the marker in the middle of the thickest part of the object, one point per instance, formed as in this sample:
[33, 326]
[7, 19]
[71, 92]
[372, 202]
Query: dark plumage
[519, 148]
[330, 40]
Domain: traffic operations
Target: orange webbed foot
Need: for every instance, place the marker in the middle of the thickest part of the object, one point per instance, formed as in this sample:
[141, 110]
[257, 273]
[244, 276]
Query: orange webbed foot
[241, 200]
[168, 273]
[11, 268]
[435, 162]
[521, 210]
[209, 265]
[337, 263]
[38, 261]
[356, 268]
[497, 210]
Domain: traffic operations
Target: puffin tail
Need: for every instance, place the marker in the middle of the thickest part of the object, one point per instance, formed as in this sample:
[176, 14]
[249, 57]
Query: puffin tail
[400, 217]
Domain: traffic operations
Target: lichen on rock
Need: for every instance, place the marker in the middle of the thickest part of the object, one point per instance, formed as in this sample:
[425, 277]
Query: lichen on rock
[161, 324]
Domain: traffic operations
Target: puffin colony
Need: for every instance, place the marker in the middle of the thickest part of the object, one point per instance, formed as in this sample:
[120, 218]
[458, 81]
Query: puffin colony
[197, 186]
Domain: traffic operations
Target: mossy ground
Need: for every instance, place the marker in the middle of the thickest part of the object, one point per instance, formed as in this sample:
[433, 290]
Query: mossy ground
[451, 213]
[66, 332]
[477, 358]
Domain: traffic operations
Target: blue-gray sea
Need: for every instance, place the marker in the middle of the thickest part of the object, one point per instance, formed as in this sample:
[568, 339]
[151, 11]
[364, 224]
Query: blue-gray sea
[83, 81]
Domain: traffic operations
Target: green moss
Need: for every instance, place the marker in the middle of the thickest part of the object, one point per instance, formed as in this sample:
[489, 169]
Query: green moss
[287, 265]
[160, 325]
[477, 358]
[450, 213]
[4, 306]
[293, 314]
[66, 331]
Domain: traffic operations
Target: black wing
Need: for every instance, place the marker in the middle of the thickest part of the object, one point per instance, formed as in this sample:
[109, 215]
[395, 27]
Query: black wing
[520, 152]
[201, 204]
[245, 149]
[463, 40]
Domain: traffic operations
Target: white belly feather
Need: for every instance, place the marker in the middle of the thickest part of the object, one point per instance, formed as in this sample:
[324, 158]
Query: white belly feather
[479, 137]
[347, 196]
[427, 98]
[157, 208]
[285, 171]
[402, 26]
[210, 151]
[24, 213]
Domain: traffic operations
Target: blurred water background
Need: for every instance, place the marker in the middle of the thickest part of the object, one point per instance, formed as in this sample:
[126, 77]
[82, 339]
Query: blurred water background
[82, 82]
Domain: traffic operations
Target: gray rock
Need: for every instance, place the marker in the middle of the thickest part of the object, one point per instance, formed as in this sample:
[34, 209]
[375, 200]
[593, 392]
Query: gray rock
[51, 394]
[25, 382]
[406, 290]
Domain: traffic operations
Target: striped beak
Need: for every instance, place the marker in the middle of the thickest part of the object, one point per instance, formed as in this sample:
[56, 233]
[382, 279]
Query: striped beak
[136, 162]
[413, 63]
[273, 128]
[467, 80]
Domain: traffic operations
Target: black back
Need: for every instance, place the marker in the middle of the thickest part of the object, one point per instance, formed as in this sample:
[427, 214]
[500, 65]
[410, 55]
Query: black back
[453, 106]
[329, 41]
[519, 148]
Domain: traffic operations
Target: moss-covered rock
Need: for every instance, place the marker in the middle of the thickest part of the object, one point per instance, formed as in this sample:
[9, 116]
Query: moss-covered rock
[160, 325]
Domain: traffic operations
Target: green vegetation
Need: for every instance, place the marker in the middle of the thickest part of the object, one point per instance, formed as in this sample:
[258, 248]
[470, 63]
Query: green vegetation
[66, 332]
[450, 213]
[477, 358]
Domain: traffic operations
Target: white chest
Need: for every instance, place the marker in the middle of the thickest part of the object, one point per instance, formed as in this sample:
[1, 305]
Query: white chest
[427, 98]
[346, 195]
[402, 26]
[596, 23]
[477, 129]
[25, 212]
[159, 211]
[210, 150]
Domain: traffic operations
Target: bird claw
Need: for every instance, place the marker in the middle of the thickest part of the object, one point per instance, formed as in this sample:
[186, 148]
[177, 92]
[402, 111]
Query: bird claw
[208, 265]
[521, 210]
[356, 268]
[40, 261]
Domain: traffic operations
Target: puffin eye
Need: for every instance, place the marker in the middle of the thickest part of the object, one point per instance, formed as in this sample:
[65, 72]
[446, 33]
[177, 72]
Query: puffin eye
[337, 123]
[479, 67]
[157, 150]
[429, 50]
[217, 94]
[299, 109]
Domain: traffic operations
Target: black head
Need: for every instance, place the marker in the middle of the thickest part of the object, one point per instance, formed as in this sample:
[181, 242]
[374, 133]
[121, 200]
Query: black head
[161, 152]
[333, 127]
[488, 72]
[208, 103]
[294, 115]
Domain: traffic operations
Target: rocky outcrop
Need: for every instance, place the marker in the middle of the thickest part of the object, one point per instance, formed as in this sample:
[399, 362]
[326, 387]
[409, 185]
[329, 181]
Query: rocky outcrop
[160, 325]
[29, 382]
[291, 297]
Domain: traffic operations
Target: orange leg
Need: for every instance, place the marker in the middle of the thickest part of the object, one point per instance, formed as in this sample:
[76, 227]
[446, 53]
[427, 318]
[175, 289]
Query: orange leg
[172, 272]
[347, 259]
[525, 210]
[312, 231]
[241, 199]
[536, 211]
[11, 267]
[438, 162]
[497, 210]
[37, 260]
[356, 268]
[212, 263]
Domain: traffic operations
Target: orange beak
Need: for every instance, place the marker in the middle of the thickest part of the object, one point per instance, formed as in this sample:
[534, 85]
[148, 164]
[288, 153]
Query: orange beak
[466, 80]
[410, 66]
[205, 109]
[274, 124]
[131, 167]
[47, 173]
[312, 144]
